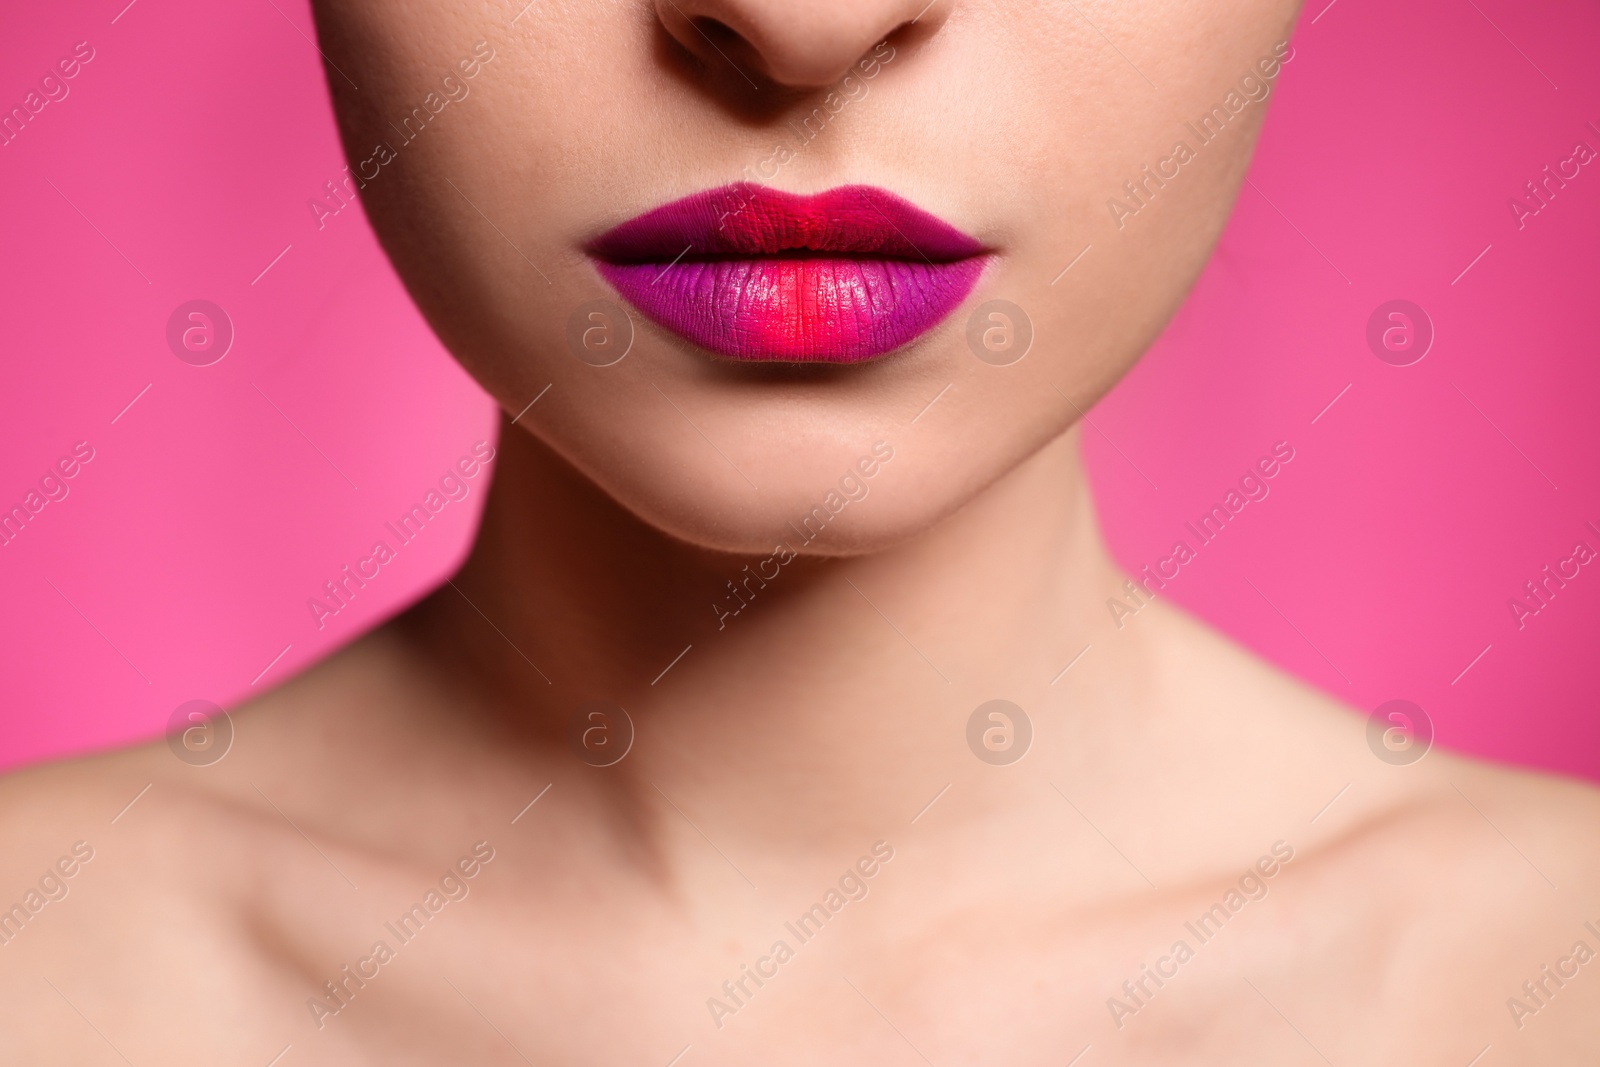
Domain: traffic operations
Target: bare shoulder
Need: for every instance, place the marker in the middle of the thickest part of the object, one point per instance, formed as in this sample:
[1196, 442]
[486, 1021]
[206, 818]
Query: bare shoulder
[1558, 816]
[138, 881]
[252, 769]
[1383, 771]
[1472, 886]
[98, 870]
[106, 795]
[1480, 890]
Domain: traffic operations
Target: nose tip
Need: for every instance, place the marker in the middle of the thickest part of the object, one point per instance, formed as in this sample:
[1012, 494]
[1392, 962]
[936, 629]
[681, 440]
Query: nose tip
[798, 44]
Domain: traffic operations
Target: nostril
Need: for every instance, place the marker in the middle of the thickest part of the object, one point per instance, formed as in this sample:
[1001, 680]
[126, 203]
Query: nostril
[716, 31]
[909, 33]
[714, 43]
[792, 46]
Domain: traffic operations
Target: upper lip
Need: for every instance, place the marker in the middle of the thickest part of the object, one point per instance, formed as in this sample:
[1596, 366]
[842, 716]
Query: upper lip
[745, 220]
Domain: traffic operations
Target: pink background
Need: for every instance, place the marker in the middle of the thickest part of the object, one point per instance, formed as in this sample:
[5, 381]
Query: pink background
[179, 565]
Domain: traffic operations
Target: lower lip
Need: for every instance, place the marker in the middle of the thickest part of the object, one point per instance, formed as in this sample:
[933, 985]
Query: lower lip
[824, 306]
[806, 310]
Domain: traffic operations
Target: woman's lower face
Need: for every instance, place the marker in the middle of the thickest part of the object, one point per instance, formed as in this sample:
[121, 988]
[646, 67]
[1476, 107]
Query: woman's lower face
[740, 241]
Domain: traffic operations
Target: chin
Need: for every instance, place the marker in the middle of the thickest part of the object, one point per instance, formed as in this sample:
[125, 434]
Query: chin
[810, 492]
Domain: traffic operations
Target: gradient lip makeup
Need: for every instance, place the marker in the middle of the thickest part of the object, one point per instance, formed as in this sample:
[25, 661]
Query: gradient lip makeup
[753, 273]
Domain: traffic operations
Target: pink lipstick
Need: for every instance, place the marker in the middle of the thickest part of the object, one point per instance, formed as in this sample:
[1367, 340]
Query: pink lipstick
[752, 273]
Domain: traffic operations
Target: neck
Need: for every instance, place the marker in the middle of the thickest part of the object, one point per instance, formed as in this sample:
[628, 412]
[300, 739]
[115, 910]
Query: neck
[842, 687]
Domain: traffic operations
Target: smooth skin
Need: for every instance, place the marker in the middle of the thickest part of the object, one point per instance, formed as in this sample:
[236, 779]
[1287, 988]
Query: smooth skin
[831, 713]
